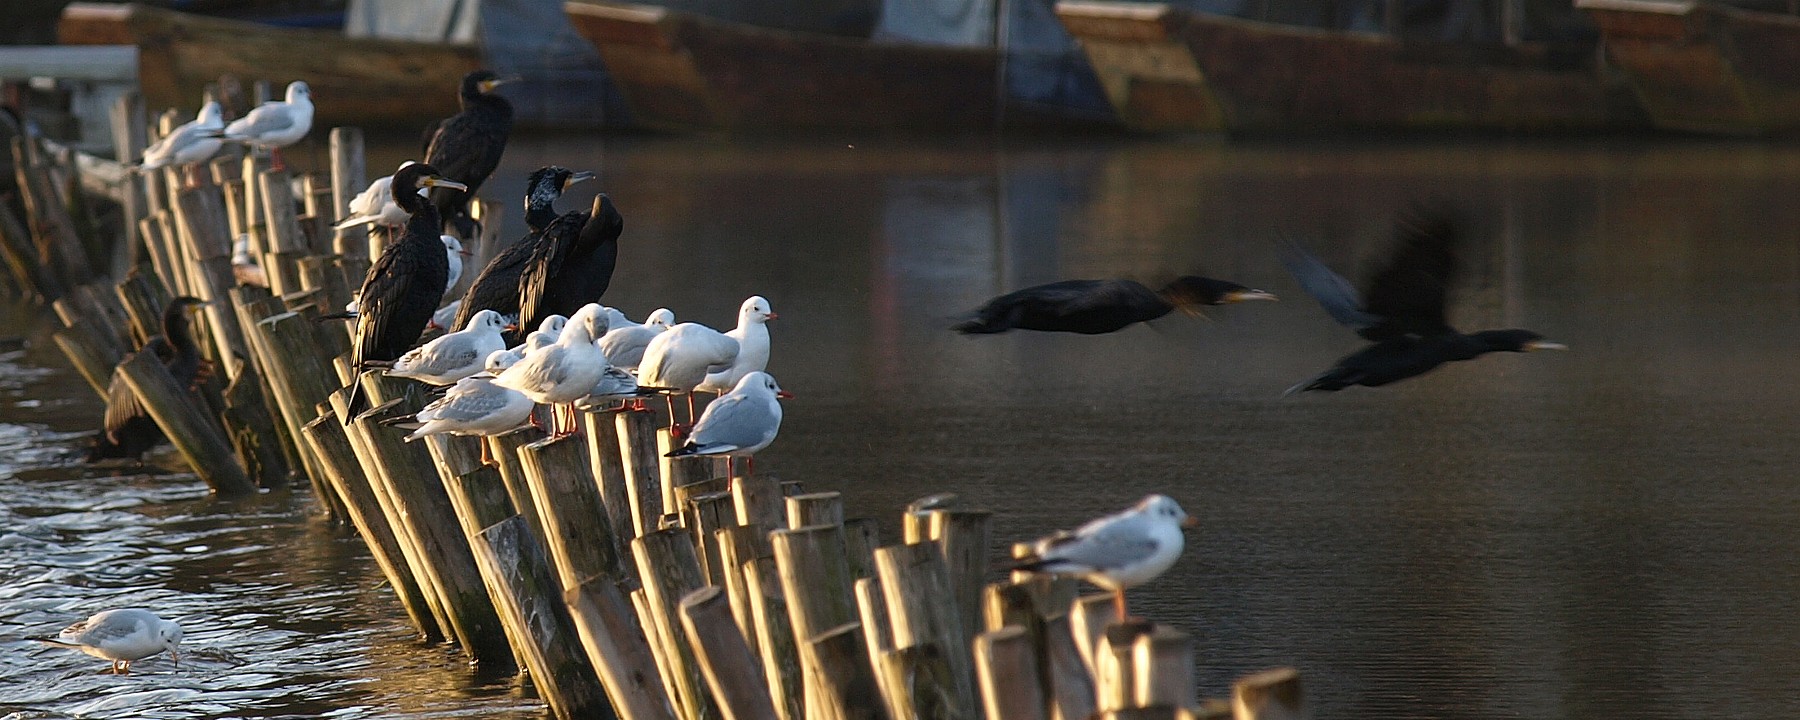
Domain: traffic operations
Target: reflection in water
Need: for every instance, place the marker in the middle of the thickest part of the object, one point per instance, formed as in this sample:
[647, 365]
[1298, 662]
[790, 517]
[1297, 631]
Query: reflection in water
[1600, 533]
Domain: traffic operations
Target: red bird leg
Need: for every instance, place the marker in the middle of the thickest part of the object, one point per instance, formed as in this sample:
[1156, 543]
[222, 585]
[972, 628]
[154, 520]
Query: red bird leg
[690, 397]
[1119, 604]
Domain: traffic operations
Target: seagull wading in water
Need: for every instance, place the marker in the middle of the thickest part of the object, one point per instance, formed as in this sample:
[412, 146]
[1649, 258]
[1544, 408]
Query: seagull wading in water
[740, 422]
[1116, 552]
[123, 636]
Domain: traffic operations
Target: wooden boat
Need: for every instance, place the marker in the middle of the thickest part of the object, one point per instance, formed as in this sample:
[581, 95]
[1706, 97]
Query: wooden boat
[355, 81]
[680, 71]
[1704, 67]
[1167, 69]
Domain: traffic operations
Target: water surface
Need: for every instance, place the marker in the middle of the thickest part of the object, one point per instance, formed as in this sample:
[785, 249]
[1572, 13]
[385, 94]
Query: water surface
[1600, 533]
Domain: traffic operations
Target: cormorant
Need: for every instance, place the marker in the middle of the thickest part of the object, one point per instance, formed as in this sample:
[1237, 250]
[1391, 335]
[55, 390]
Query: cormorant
[1092, 307]
[572, 263]
[1401, 309]
[403, 286]
[128, 431]
[466, 147]
[497, 287]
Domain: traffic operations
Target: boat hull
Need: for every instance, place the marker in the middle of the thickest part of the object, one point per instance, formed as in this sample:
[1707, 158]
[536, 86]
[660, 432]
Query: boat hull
[1170, 70]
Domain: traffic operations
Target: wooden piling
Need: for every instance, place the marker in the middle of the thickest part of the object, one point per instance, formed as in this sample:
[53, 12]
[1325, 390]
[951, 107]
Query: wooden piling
[1006, 668]
[26, 266]
[963, 536]
[661, 648]
[1164, 658]
[919, 683]
[861, 537]
[349, 176]
[775, 637]
[250, 425]
[617, 648]
[678, 471]
[92, 353]
[143, 301]
[670, 569]
[180, 417]
[1070, 685]
[1115, 665]
[725, 660]
[560, 670]
[643, 471]
[826, 508]
[504, 449]
[921, 606]
[816, 581]
[573, 517]
[711, 513]
[845, 682]
[758, 501]
[608, 469]
[1269, 695]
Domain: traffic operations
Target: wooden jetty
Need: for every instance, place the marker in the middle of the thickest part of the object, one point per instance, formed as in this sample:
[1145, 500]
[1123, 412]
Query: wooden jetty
[1706, 67]
[1167, 69]
[613, 581]
[682, 72]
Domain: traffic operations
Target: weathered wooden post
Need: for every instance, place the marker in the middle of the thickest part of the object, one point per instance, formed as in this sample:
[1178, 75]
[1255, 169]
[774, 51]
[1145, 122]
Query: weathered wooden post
[730, 670]
[816, 581]
[643, 471]
[92, 353]
[962, 536]
[711, 513]
[608, 468]
[504, 449]
[1165, 668]
[677, 471]
[1269, 695]
[617, 647]
[1006, 666]
[775, 639]
[825, 508]
[564, 678]
[250, 424]
[175, 411]
[143, 301]
[349, 176]
[758, 501]
[921, 605]
[200, 212]
[670, 569]
[571, 513]
[1088, 619]
[1115, 667]
[845, 683]
[285, 241]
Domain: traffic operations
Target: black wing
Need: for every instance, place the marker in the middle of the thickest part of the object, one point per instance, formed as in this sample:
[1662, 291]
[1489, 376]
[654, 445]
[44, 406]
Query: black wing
[537, 278]
[1409, 293]
[496, 288]
[466, 148]
[384, 289]
[121, 403]
[1334, 293]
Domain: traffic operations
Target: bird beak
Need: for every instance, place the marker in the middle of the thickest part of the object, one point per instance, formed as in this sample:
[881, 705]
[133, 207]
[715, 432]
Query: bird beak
[175, 656]
[1190, 522]
[465, 253]
[772, 316]
[510, 327]
[443, 182]
[783, 394]
[582, 176]
[1242, 295]
[1544, 345]
[489, 85]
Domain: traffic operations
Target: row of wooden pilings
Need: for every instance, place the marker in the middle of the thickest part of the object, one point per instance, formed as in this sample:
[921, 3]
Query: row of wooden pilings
[618, 580]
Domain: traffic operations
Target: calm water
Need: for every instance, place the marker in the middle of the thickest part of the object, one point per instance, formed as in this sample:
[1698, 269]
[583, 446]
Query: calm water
[1601, 533]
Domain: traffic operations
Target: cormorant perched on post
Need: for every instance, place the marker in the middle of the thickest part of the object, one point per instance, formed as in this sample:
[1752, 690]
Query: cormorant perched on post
[1402, 308]
[572, 264]
[128, 431]
[467, 146]
[404, 285]
[497, 287]
[1092, 307]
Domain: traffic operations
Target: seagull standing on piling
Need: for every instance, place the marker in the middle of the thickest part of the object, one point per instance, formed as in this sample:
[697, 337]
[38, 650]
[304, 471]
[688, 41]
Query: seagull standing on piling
[572, 263]
[123, 636]
[497, 286]
[453, 356]
[475, 406]
[740, 422]
[1116, 552]
[275, 124]
[752, 335]
[678, 360]
[375, 206]
[467, 146]
[402, 288]
[191, 142]
[624, 344]
[559, 373]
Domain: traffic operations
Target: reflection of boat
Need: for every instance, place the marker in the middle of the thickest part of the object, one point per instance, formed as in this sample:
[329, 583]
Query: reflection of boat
[1704, 67]
[682, 71]
[1169, 69]
[369, 77]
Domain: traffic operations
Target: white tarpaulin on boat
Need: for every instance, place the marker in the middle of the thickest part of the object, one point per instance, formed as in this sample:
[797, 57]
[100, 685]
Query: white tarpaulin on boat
[1043, 67]
[564, 83]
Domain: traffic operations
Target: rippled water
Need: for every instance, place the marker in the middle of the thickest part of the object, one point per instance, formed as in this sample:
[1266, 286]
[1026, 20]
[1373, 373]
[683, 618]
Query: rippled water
[1601, 533]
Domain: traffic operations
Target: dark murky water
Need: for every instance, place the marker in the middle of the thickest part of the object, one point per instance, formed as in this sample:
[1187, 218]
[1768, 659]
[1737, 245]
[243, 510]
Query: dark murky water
[1603, 533]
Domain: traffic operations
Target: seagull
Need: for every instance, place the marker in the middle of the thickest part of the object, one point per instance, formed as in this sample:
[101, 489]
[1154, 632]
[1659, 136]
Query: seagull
[624, 344]
[375, 205]
[615, 384]
[244, 267]
[191, 142]
[1402, 309]
[678, 360]
[752, 335]
[456, 355]
[1116, 552]
[123, 636]
[442, 318]
[1092, 307]
[740, 422]
[468, 145]
[561, 372]
[275, 124]
[454, 253]
[476, 406]
[548, 331]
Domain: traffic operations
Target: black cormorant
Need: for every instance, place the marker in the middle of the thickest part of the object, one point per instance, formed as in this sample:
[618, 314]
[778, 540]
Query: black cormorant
[404, 285]
[497, 287]
[572, 264]
[128, 431]
[1402, 308]
[1092, 307]
[466, 147]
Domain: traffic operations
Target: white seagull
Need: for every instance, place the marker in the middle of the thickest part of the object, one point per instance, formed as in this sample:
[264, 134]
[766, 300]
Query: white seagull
[476, 406]
[190, 142]
[1116, 552]
[244, 266]
[624, 345]
[375, 205]
[122, 636]
[548, 330]
[678, 360]
[614, 384]
[740, 422]
[561, 372]
[456, 355]
[277, 123]
[454, 251]
[752, 335]
[445, 315]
